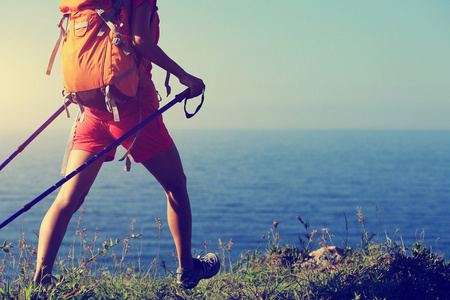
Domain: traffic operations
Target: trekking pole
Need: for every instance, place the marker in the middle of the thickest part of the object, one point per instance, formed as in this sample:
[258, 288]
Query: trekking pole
[35, 134]
[180, 97]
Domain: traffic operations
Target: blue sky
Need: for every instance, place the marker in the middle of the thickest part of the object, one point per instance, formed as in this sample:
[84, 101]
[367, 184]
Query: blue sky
[266, 64]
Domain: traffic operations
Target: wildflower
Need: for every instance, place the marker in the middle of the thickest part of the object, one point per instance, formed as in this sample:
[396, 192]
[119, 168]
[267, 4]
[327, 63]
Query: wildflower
[230, 243]
[158, 221]
[275, 224]
[360, 215]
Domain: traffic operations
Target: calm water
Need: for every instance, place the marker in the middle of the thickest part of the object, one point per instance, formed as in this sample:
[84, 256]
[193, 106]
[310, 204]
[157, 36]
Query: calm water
[240, 181]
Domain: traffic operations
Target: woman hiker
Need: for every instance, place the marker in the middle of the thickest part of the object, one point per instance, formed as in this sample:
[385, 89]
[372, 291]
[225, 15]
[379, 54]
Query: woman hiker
[154, 149]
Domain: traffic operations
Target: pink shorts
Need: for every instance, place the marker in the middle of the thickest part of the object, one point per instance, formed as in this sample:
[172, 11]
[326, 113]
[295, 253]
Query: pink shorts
[98, 130]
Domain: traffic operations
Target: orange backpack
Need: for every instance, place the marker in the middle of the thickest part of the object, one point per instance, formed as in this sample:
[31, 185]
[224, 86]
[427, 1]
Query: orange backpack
[99, 66]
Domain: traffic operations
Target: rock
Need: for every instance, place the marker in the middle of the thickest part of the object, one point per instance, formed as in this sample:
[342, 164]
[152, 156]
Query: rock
[325, 257]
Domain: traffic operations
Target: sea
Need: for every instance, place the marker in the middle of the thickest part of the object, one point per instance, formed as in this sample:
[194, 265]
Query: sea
[392, 185]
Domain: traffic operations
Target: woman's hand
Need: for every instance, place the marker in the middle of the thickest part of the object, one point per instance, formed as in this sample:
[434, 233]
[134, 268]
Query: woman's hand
[195, 84]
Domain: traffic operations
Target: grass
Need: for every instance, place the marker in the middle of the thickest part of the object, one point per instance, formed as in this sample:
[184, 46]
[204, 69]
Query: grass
[386, 270]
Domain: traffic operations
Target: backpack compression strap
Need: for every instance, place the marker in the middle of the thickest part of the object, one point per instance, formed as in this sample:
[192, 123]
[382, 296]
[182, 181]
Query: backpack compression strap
[118, 40]
[62, 35]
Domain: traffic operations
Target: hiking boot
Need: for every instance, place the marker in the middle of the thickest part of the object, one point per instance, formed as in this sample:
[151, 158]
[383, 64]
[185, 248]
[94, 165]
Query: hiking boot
[204, 268]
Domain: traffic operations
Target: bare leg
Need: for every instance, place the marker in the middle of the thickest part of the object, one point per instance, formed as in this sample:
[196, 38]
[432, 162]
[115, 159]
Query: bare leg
[68, 201]
[168, 170]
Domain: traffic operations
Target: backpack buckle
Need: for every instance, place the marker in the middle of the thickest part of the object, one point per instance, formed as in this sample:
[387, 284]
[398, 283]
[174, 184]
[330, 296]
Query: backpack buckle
[116, 41]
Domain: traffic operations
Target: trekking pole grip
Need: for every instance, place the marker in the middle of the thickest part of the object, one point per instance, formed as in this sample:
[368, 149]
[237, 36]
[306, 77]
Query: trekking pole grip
[183, 95]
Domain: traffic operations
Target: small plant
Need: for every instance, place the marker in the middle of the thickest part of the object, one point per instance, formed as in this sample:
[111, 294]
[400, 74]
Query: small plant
[6, 246]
